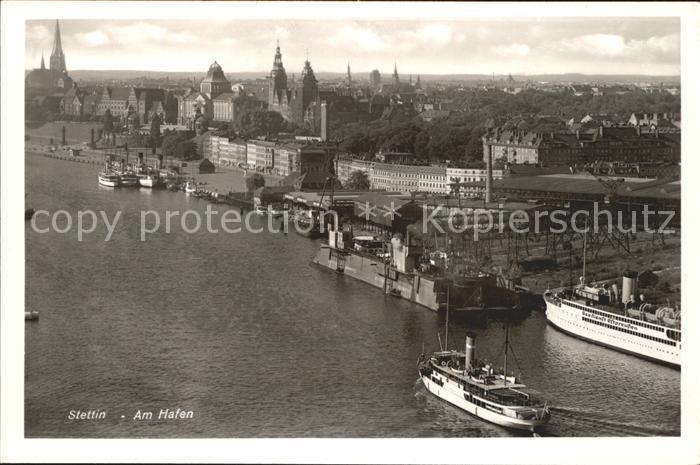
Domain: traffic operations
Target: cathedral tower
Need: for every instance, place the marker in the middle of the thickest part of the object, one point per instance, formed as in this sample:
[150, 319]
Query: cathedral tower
[277, 82]
[395, 78]
[57, 62]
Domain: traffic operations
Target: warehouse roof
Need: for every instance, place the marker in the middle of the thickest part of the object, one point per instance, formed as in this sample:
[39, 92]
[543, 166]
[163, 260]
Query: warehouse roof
[577, 184]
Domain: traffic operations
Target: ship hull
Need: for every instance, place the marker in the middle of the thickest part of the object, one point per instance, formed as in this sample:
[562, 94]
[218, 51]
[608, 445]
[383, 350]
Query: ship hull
[148, 182]
[108, 182]
[415, 288]
[473, 296]
[570, 321]
[455, 396]
[129, 182]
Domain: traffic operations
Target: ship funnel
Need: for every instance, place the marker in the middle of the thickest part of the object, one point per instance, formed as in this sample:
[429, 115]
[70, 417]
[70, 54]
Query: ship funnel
[629, 285]
[470, 352]
[140, 158]
[159, 164]
[616, 293]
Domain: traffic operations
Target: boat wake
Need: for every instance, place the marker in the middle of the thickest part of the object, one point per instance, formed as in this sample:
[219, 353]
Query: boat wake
[593, 423]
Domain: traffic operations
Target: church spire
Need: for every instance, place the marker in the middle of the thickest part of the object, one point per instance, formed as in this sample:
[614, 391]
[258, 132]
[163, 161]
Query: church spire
[43, 66]
[349, 74]
[397, 83]
[58, 60]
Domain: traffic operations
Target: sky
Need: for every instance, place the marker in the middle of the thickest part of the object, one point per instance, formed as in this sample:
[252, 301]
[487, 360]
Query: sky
[550, 46]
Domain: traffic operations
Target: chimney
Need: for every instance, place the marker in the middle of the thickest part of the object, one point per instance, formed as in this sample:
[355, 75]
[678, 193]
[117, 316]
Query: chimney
[489, 176]
[600, 131]
[639, 131]
[324, 121]
[578, 134]
[159, 163]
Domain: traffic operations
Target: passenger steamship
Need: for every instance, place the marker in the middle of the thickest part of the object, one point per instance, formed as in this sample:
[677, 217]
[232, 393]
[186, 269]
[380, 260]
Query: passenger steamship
[598, 314]
[498, 398]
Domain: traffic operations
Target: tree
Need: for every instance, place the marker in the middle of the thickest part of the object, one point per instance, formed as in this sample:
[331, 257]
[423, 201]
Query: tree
[155, 131]
[255, 181]
[178, 144]
[261, 123]
[358, 181]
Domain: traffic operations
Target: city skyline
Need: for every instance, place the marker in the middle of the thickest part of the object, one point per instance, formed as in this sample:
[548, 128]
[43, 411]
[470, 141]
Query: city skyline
[648, 46]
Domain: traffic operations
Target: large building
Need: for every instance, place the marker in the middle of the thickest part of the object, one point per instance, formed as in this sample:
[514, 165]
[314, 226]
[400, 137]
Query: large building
[300, 100]
[143, 102]
[624, 144]
[214, 101]
[227, 151]
[56, 76]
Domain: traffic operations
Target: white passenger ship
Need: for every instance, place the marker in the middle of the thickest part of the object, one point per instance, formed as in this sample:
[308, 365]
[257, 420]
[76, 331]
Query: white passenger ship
[108, 178]
[596, 313]
[500, 399]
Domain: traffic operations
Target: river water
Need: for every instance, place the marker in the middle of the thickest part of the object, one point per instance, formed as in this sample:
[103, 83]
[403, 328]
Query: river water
[242, 330]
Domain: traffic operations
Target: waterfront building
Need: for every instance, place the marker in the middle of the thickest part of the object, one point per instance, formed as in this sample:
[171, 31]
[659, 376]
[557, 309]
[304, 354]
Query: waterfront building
[468, 182]
[287, 158]
[396, 157]
[56, 76]
[233, 152]
[346, 165]
[627, 144]
[432, 179]
[261, 155]
[394, 177]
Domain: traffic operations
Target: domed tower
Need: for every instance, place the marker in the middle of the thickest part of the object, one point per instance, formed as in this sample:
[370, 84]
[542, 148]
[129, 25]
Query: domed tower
[215, 83]
[278, 81]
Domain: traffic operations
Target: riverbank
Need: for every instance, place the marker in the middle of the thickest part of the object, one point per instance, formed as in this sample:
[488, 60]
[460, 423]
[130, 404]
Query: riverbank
[223, 180]
[647, 252]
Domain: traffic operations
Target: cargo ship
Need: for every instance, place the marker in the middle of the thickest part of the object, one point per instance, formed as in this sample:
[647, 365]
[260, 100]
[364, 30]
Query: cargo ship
[394, 267]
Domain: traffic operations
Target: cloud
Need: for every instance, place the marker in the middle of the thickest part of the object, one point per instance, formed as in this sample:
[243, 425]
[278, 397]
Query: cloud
[38, 33]
[512, 49]
[440, 34]
[363, 38]
[595, 44]
[141, 33]
[667, 44]
[282, 33]
[92, 39]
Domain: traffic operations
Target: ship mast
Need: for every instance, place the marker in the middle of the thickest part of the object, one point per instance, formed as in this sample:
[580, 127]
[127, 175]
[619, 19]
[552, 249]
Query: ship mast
[447, 315]
[505, 359]
[585, 236]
